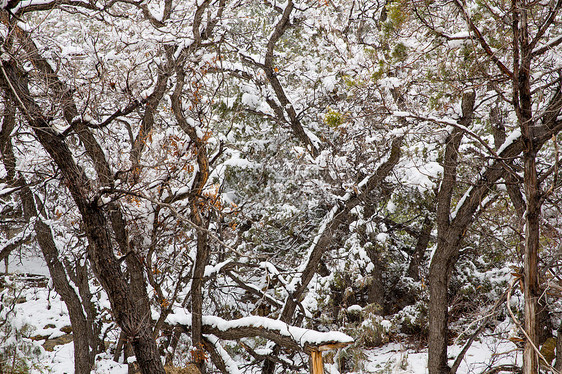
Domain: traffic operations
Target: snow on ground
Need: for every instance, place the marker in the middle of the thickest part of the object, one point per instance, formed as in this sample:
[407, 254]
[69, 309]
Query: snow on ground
[40, 314]
[395, 358]
[47, 314]
[25, 262]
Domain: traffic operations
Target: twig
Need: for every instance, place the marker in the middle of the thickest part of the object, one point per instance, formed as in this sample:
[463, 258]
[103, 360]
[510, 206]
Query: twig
[175, 213]
[470, 340]
[518, 324]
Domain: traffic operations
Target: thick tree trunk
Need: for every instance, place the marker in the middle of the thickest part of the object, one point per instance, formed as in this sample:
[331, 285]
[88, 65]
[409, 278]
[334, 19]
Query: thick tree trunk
[376, 288]
[440, 271]
[131, 313]
[523, 105]
[133, 317]
[449, 236]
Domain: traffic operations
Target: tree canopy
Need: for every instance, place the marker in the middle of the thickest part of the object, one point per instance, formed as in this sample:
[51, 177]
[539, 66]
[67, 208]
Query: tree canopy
[234, 184]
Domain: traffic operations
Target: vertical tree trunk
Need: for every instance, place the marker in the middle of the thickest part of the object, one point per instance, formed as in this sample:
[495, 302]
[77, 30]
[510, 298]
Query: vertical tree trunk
[449, 236]
[530, 270]
[523, 106]
[440, 271]
[197, 205]
[197, 301]
[376, 288]
[419, 251]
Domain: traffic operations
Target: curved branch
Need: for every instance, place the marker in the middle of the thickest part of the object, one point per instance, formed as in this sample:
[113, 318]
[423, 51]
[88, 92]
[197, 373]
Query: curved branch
[544, 27]
[333, 220]
[271, 75]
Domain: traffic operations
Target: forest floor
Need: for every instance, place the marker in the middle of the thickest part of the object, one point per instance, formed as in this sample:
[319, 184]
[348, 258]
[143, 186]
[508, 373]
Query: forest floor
[39, 327]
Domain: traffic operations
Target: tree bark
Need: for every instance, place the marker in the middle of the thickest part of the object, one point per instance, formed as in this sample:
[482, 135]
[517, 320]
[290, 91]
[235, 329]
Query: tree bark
[197, 300]
[534, 133]
[449, 236]
[530, 269]
[197, 208]
[523, 106]
[419, 250]
[84, 336]
[133, 317]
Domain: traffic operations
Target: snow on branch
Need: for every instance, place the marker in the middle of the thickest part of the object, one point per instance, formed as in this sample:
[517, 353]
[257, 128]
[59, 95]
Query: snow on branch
[291, 337]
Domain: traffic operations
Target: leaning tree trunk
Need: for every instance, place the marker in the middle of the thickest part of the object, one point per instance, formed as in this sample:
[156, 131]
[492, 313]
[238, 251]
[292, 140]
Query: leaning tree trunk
[83, 330]
[131, 315]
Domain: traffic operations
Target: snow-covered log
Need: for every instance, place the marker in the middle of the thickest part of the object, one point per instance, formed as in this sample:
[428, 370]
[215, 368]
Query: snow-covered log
[290, 337]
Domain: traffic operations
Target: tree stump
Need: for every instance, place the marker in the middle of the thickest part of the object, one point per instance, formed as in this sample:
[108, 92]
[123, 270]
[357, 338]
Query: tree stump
[315, 351]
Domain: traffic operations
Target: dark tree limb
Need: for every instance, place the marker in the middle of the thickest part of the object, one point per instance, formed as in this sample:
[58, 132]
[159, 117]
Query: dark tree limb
[483, 43]
[269, 70]
[132, 316]
[444, 257]
[337, 216]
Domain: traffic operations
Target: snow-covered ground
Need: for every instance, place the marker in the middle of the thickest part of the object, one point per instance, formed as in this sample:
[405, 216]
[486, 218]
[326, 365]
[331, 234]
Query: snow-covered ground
[40, 314]
[25, 262]
[47, 315]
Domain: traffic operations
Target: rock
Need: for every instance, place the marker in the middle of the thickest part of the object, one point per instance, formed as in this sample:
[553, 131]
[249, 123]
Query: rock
[50, 344]
[66, 329]
[40, 337]
[189, 369]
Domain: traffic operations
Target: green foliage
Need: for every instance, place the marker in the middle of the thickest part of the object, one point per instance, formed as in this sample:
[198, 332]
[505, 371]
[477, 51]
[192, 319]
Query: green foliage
[372, 333]
[400, 363]
[351, 359]
[18, 354]
[334, 118]
[351, 82]
[397, 16]
[413, 319]
[400, 52]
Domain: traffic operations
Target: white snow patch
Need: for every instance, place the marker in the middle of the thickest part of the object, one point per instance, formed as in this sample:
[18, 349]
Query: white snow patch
[422, 176]
[329, 83]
